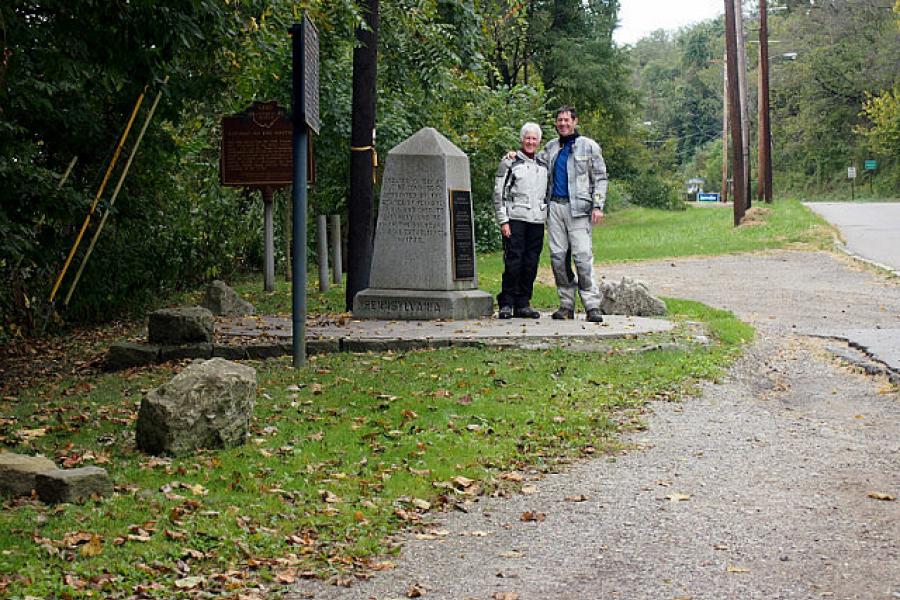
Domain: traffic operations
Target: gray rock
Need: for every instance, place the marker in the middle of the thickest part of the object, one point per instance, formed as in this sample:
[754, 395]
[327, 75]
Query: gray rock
[630, 297]
[18, 472]
[221, 299]
[125, 355]
[73, 485]
[183, 325]
[208, 405]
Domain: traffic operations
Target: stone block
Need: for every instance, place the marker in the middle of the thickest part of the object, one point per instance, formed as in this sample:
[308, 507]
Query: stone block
[125, 355]
[414, 305]
[264, 351]
[167, 353]
[208, 405]
[18, 472]
[221, 299]
[72, 485]
[183, 325]
[229, 352]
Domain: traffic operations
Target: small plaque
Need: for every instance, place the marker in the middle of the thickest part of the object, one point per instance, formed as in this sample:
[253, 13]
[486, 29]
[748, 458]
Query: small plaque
[463, 239]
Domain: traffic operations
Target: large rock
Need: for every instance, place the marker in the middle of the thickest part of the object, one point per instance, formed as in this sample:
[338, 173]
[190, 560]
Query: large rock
[73, 485]
[223, 300]
[208, 405]
[183, 325]
[630, 297]
[18, 472]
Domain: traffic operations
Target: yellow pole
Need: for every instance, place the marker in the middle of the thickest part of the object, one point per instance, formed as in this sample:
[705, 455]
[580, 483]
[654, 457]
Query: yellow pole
[87, 219]
[115, 194]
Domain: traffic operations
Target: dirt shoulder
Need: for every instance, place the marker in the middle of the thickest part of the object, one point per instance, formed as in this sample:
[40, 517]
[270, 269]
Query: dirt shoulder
[757, 488]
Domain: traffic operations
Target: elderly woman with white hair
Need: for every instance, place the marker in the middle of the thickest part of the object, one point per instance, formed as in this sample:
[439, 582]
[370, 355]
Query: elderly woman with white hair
[520, 191]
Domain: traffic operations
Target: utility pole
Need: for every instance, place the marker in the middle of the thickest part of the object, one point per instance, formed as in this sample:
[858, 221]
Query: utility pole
[764, 190]
[361, 205]
[724, 195]
[737, 155]
[742, 90]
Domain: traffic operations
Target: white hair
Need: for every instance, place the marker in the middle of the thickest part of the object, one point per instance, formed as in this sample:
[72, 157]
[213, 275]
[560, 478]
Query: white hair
[533, 127]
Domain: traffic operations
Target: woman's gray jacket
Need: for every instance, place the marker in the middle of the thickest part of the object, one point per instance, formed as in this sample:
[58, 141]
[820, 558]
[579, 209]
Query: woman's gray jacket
[520, 189]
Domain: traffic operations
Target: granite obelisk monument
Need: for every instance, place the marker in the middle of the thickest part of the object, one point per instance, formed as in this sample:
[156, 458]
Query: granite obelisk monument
[424, 266]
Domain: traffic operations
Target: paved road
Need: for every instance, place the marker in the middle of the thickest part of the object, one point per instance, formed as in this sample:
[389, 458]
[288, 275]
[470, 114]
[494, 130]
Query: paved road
[871, 230]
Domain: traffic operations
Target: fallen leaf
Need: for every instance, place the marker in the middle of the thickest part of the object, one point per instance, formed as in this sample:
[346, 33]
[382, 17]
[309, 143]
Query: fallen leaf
[511, 554]
[734, 569]
[533, 516]
[678, 497]
[330, 497]
[416, 591]
[529, 489]
[578, 498]
[288, 576]
[315, 388]
[421, 504]
[187, 583]
[93, 548]
[881, 496]
[463, 482]
[512, 476]
[505, 596]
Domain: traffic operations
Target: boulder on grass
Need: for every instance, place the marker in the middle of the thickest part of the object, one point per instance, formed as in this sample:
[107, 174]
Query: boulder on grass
[221, 299]
[208, 405]
[18, 472]
[125, 355]
[72, 485]
[183, 325]
[630, 297]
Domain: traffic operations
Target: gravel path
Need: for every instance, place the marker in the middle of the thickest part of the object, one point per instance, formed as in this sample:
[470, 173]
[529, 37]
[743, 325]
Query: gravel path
[757, 488]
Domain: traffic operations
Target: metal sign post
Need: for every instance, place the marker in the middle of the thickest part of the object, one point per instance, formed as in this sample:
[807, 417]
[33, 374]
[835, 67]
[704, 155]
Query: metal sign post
[851, 175]
[305, 66]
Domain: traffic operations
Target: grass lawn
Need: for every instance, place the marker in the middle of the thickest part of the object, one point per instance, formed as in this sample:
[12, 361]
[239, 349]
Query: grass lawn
[351, 449]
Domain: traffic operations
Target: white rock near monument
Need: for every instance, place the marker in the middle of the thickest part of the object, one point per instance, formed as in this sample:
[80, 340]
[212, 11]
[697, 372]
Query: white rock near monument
[424, 263]
[630, 297]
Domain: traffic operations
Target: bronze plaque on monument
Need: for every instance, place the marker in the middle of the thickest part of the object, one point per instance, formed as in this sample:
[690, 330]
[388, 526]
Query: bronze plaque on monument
[463, 241]
[257, 147]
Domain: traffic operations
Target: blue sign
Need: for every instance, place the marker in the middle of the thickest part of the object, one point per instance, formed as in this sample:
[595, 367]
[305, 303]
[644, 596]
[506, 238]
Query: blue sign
[707, 197]
[871, 165]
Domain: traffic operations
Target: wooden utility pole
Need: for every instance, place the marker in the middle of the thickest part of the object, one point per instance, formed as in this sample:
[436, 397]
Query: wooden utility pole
[734, 109]
[764, 190]
[742, 90]
[724, 195]
[361, 204]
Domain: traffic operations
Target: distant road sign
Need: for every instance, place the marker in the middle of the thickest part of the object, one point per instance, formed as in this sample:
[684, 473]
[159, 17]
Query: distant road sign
[851, 172]
[707, 197]
[871, 165]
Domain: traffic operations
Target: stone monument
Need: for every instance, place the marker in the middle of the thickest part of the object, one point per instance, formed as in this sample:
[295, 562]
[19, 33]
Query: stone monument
[423, 266]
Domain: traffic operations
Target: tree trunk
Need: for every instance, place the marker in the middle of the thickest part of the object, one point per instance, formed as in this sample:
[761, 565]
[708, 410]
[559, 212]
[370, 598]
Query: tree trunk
[360, 206]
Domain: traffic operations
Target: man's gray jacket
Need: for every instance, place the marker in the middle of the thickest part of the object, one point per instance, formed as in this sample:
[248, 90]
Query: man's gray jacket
[586, 173]
[520, 190]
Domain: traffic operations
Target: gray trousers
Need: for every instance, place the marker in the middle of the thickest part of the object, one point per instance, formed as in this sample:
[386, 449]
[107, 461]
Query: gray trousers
[566, 233]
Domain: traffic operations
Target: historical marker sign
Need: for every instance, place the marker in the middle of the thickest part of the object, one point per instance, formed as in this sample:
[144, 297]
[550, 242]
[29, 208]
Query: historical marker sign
[463, 241]
[871, 165]
[310, 105]
[851, 172]
[257, 147]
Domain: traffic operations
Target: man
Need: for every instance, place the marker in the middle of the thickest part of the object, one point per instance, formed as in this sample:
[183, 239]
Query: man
[577, 193]
[520, 190]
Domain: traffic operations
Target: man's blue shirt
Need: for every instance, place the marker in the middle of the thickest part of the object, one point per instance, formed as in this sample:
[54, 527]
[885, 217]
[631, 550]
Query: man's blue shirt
[561, 171]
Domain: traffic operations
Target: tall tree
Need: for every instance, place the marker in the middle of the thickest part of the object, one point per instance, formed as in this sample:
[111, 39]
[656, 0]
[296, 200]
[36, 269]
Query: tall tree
[361, 206]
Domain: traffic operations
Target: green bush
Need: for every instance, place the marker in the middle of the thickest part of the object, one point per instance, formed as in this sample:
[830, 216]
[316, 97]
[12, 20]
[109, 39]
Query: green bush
[654, 191]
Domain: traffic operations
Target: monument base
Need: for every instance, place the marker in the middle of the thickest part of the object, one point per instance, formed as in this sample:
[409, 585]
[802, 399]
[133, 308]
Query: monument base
[422, 305]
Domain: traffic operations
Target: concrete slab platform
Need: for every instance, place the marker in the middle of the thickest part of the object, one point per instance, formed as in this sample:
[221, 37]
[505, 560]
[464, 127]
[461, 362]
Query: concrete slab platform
[357, 333]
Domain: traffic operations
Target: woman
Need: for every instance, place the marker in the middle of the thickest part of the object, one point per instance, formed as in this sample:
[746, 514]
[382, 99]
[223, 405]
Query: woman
[520, 191]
